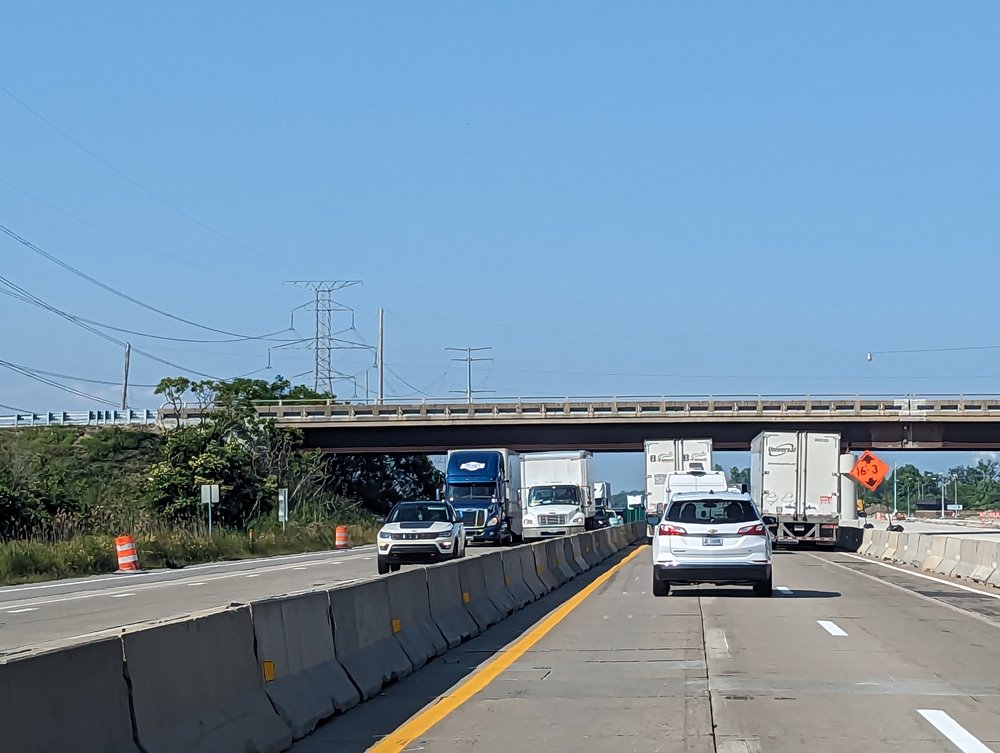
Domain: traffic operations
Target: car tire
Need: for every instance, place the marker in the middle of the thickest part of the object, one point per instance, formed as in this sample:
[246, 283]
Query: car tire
[461, 549]
[383, 567]
[763, 588]
[660, 588]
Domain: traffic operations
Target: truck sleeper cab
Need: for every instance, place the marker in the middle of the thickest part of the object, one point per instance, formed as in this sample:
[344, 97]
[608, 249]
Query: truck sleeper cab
[484, 488]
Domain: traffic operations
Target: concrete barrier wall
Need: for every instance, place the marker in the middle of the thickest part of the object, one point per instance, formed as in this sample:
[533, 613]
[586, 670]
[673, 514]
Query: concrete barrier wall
[589, 546]
[74, 700]
[891, 544]
[196, 687]
[867, 542]
[570, 556]
[514, 578]
[952, 556]
[294, 639]
[932, 563]
[557, 554]
[545, 574]
[986, 559]
[577, 549]
[497, 588]
[445, 591]
[530, 571]
[473, 579]
[362, 631]
[410, 617]
[968, 560]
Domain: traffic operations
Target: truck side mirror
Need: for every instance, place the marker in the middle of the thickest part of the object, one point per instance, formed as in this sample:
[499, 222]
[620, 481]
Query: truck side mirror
[769, 520]
[652, 520]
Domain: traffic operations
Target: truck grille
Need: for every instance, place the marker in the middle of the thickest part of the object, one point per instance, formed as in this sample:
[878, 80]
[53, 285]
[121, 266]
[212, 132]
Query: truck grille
[474, 518]
[551, 520]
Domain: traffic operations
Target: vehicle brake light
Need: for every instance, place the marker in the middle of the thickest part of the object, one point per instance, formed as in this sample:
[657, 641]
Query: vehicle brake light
[668, 530]
[754, 530]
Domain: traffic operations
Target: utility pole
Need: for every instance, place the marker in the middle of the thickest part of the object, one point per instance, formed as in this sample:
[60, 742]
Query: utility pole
[128, 355]
[380, 356]
[469, 360]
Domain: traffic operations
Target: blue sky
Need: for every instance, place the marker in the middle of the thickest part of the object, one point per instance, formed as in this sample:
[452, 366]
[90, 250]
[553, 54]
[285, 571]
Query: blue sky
[658, 198]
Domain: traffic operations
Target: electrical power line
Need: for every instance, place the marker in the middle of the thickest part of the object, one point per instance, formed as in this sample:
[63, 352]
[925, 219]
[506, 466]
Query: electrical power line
[44, 380]
[114, 291]
[152, 194]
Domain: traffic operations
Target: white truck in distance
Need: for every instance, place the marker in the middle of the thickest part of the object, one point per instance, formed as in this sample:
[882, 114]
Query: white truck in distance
[694, 480]
[666, 456]
[558, 494]
[795, 482]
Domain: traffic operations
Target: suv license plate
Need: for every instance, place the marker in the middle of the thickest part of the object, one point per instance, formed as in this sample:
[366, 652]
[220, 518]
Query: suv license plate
[712, 541]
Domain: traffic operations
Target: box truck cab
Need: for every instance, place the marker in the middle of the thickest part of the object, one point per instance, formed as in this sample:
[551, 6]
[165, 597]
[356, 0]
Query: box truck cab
[484, 487]
[558, 494]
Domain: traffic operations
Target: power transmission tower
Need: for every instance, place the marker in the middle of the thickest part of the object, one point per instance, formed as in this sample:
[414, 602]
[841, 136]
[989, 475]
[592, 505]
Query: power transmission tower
[469, 360]
[324, 306]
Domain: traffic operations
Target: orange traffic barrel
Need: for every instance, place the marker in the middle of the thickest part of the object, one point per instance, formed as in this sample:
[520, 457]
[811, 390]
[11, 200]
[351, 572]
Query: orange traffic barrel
[343, 539]
[128, 560]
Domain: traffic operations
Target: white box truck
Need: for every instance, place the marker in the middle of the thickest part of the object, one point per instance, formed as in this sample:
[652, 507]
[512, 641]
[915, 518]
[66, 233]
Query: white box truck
[558, 493]
[666, 456]
[795, 480]
[694, 480]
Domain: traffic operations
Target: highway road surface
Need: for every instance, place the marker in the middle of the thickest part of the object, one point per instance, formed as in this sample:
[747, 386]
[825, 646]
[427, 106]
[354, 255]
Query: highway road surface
[43, 614]
[849, 655]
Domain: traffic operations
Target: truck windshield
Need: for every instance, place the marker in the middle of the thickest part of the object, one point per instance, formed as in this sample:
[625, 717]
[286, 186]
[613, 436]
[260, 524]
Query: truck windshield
[711, 511]
[471, 491]
[554, 495]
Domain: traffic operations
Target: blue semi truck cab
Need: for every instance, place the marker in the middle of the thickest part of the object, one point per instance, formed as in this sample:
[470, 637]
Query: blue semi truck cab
[484, 487]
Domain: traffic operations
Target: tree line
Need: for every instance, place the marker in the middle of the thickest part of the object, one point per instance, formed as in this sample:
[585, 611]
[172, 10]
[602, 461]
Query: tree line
[59, 481]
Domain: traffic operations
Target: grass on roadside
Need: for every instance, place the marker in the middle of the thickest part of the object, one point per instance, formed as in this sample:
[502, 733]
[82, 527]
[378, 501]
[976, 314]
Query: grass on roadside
[81, 555]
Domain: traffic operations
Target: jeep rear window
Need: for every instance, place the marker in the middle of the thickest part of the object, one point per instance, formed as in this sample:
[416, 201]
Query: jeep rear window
[711, 511]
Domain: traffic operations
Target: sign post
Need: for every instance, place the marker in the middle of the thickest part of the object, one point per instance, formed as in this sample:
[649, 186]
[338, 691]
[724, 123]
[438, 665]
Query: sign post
[210, 496]
[282, 507]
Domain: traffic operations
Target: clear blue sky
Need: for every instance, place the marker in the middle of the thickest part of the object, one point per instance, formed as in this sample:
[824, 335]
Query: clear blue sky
[642, 199]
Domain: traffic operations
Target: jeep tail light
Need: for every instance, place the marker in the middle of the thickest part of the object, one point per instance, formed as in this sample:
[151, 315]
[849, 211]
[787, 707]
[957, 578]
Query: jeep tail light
[668, 530]
[754, 530]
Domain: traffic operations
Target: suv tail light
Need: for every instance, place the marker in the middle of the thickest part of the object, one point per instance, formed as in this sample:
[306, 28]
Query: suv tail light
[669, 530]
[754, 530]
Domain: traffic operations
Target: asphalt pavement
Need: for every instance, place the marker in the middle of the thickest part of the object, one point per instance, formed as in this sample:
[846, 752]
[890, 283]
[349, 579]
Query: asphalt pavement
[849, 655]
[45, 614]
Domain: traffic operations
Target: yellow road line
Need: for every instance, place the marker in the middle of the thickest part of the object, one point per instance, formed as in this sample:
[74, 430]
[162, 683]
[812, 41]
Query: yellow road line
[402, 736]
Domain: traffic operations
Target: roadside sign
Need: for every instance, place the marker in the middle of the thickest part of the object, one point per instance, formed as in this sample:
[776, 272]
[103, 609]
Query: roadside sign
[861, 505]
[282, 507]
[870, 471]
[954, 508]
[210, 496]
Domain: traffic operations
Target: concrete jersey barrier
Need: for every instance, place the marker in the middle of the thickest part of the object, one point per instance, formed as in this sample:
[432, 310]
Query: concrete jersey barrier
[472, 576]
[576, 546]
[410, 617]
[952, 556]
[557, 553]
[445, 591]
[549, 579]
[933, 562]
[362, 631]
[530, 571]
[570, 556]
[513, 575]
[589, 549]
[196, 687]
[497, 585]
[72, 700]
[296, 655]
[969, 560]
[986, 559]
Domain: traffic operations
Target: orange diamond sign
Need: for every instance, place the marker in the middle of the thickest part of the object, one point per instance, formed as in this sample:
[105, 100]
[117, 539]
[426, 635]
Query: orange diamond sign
[870, 471]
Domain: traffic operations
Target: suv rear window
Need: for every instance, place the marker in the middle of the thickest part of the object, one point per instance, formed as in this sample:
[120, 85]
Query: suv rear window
[711, 511]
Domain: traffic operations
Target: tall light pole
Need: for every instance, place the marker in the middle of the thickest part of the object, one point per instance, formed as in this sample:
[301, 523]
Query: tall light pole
[895, 491]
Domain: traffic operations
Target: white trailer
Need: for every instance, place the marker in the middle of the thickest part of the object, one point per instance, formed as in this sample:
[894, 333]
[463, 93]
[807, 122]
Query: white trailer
[795, 479]
[666, 456]
[558, 493]
[602, 494]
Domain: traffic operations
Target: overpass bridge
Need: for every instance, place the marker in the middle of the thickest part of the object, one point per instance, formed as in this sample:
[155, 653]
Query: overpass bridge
[927, 422]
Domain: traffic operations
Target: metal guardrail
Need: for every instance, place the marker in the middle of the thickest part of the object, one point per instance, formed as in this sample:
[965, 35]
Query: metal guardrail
[80, 418]
[823, 407]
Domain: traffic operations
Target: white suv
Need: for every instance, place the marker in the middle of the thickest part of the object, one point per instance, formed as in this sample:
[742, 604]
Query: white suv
[419, 532]
[713, 537]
